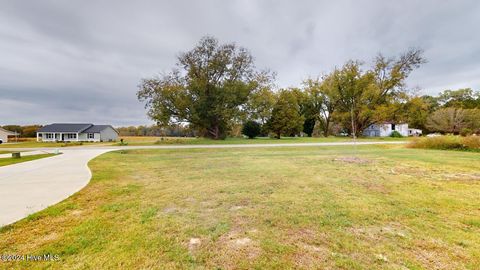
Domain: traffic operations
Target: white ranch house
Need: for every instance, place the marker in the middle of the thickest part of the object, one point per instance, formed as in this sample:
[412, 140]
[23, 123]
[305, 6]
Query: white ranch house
[4, 134]
[66, 132]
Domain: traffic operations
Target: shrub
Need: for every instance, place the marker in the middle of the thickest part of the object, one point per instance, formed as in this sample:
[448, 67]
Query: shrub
[396, 134]
[251, 129]
[466, 132]
[472, 142]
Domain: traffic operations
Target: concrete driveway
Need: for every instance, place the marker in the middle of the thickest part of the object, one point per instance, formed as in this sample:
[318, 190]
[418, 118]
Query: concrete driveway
[29, 187]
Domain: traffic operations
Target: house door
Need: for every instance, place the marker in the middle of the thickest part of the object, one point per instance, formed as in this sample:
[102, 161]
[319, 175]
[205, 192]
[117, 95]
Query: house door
[63, 137]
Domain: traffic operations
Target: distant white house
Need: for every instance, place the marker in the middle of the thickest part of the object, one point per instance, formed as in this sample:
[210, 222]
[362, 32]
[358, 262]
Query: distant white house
[386, 129]
[67, 132]
[4, 134]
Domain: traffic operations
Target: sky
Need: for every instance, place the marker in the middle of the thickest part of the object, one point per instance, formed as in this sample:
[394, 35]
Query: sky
[82, 61]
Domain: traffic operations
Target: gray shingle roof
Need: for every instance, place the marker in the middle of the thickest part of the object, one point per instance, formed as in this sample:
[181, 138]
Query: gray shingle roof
[65, 127]
[97, 128]
[74, 128]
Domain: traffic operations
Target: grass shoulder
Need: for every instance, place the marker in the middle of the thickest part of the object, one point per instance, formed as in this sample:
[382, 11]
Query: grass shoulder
[10, 161]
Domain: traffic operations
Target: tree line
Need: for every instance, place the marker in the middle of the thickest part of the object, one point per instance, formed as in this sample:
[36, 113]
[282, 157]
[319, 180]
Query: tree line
[158, 131]
[27, 131]
[216, 91]
[216, 87]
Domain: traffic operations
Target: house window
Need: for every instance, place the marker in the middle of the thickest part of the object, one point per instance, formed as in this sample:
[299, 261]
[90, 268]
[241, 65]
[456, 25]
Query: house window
[71, 136]
[91, 136]
[49, 135]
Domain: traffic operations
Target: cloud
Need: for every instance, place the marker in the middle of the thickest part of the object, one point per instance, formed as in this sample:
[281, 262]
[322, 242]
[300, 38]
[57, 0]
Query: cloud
[81, 61]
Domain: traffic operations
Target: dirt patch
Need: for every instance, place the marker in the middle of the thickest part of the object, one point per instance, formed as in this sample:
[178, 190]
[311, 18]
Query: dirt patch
[194, 244]
[234, 247]
[355, 160]
[50, 237]
[414, 171]
[241, 242]
[170, 210]
[376, 187]
[76, 212]
[311, 250]
[462, 176]
[381, 257]
[435, 254]
[379, 233]
[236, 208]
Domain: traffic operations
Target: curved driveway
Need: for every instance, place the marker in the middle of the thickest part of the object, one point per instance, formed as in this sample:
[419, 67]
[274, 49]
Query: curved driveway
[28, 187]
[31, 186]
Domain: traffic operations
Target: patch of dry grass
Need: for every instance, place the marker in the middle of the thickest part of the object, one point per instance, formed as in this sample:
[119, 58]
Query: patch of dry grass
[449, 142]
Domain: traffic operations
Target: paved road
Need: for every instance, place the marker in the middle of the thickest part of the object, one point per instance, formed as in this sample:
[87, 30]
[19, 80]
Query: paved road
[28, 187]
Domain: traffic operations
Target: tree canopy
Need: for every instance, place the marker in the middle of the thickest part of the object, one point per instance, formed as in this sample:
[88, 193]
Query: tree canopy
[286, 117]
[216, 88]
[207, 89]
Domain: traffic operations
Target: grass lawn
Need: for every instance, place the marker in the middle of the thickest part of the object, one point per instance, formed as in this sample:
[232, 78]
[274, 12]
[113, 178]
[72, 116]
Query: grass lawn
[10, 161]
[138, 140]
[150, 140]
[263, 208]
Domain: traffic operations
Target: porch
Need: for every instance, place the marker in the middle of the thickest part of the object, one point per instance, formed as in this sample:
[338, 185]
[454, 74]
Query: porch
[57, 137]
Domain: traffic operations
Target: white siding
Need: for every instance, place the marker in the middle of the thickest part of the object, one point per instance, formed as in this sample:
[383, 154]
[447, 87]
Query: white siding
[384, 130]
[402, 129]
[82, 137]
[3, 137]
[108, 134]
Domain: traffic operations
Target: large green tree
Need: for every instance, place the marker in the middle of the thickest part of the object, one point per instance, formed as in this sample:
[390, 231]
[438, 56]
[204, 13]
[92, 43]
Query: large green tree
[322, 100]
[207, 90]
[260, 104]
[365, 95]
[464, 98]
[286, 118]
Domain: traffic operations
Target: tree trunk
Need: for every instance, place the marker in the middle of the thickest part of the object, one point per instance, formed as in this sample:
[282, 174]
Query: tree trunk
[327, 127]
[214, 132]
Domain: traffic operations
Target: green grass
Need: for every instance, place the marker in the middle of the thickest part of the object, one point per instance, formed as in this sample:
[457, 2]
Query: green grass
[263, 208]
[145, 140]
[261, 140]
[10, 161]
